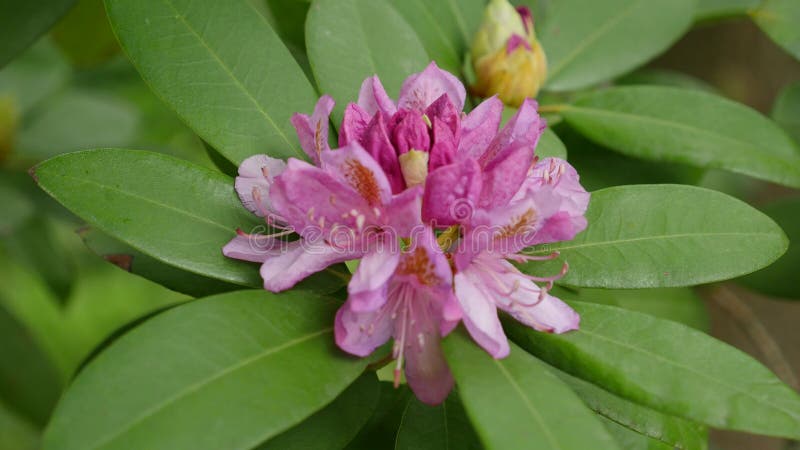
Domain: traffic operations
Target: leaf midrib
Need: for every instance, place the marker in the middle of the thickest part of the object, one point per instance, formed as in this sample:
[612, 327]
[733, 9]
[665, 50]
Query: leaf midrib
[682, 126]
[228, 71]
[651, 238]
[528, 405]
[208, 380]
[656, 356]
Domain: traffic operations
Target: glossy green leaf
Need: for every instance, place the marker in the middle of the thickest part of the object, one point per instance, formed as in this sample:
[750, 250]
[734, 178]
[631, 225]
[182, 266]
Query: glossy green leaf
[628, 439]
[446, 28]
[672, 432]
[587, 43]
[242, 367]
[668, 367]
[381, 429]
[786, 111]
[174, 211]
[445, 426]
[516, 402]
[665, 77]
[687, 126]
[719, 9]
[21, 23]
[676, 304]
[221, 67]
[334, 426]
[779, 18]
[350, 40]
[650, 236]
[780, 279]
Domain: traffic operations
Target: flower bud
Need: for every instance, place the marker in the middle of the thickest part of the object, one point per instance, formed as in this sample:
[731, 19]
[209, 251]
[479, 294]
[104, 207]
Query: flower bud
[414, 165]
[508, 60]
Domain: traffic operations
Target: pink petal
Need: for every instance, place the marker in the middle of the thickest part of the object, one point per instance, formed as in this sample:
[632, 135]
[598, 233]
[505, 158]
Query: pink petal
[359, 333]
[480, 313]
[313, 131]
[526, 126]
[451, 193]
[367, 288]
[445, 112]
[354, 125]
[352, 165]
[443, 150]
[409, 132]
[372, 98]
[254, 247]
[404, 212]
[503, 175]
[421, 89]
[376, 142]
[256, 175]
[480, 127]
[301, 259]
[516, 41]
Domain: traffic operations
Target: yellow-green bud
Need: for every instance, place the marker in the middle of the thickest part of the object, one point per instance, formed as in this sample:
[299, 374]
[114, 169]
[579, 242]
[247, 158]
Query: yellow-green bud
[414, 165]
[508, 60]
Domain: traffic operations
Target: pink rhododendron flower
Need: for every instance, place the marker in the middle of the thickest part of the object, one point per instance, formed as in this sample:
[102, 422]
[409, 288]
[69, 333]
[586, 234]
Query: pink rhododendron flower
[436, 203]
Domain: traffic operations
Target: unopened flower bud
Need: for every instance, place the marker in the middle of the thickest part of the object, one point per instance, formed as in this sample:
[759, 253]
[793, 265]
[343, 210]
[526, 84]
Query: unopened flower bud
[414, 165]
[508, 60]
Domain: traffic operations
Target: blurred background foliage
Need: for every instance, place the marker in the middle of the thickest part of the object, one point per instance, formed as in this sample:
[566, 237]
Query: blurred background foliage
[73, 89]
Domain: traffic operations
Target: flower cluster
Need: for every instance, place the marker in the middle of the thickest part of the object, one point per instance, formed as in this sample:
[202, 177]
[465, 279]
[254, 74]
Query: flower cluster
[437, 204]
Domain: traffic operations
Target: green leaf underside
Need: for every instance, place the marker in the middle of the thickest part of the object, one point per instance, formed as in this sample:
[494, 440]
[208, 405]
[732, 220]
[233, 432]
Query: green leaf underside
[172, 210]
[780, 279]
[649, 236]
[334, 426]
[668, 367]
[516, 402]
[673, 432]
[350, 40]
[221, 67]
[444, 426]
[242, 367]
[779, 18]
[587, 43]
[687, 126]
[21, 23]
[445, 27]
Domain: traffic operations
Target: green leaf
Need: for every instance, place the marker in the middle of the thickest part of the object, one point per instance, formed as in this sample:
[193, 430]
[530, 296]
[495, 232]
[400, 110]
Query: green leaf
[779, 18]
[172, 210]
[720, 9]
[21, 23]
[786, 111]
[687, 126]
[628, 439]
[780, 279]
[665, 77]
[438, 427]
[672, 432]
[550, 146]
[334, 426]
[350, 40]
[380, 430]
[650, 236]
[241, 367]
[34, 347]
[587, 43]
[668, 367]
[221, 67]
[15, 432]
[516, 402]
[35, 75]
[17, 207]
[446, 28]
[676, 304]
[75, 120]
